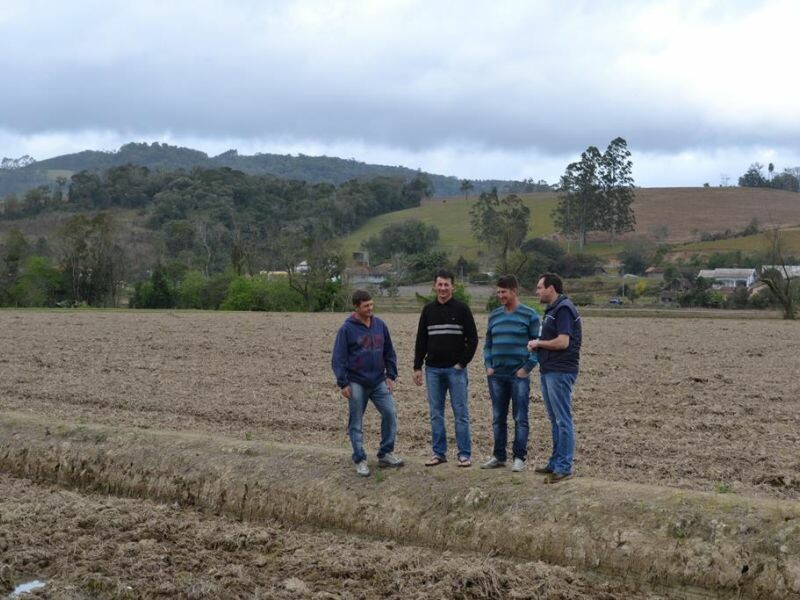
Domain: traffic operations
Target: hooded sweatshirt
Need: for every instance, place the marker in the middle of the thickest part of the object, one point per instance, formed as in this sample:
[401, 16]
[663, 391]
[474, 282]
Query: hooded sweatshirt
[364, 355]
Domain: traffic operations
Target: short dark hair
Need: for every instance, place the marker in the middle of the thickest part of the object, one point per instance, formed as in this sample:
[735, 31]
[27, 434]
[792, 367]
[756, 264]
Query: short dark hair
[554, 280]
[445, 274]
[360, 296]
[508, 282]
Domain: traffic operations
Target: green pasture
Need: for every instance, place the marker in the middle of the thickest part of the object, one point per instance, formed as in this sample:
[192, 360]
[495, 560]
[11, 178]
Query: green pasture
[451, 216]
[760, 242]
[53, 174]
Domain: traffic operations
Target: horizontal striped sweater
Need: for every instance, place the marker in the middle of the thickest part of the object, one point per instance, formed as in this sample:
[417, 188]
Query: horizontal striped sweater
[446, 335]
[505, 348]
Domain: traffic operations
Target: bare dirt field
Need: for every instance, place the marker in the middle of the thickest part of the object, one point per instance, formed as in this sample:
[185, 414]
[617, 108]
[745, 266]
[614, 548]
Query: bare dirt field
[695, 404]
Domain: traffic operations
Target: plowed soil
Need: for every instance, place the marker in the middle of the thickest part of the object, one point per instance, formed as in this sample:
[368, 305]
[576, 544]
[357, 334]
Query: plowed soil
[691, 403]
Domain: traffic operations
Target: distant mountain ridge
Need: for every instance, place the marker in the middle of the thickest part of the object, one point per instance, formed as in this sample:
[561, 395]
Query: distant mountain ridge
[314, 169]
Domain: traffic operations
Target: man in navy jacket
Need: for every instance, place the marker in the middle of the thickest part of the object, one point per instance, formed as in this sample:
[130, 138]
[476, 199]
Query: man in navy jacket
[365, 365]
[559, 349]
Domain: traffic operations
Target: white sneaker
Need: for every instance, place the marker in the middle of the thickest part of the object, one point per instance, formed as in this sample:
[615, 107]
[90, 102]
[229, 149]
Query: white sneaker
[493, 463]
[362, 469]
[390, 460]
[519, 465]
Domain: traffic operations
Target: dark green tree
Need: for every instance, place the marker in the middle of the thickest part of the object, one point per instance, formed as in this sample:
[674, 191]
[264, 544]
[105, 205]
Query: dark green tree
[406, 237]
[500, 224]
[754, 177]
[580, 208]
[91, 259]
[617, 189]
[466, 187]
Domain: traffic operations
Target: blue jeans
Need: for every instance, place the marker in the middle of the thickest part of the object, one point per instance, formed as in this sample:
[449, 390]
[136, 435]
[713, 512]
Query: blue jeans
[516, 390]
[557, 394]
[382, 399]
[438, 381]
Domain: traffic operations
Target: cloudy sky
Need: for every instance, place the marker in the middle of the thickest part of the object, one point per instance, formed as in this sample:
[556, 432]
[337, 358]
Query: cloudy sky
[511, 90]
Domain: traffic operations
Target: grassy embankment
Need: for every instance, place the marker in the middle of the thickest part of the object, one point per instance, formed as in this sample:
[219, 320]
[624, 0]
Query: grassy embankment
[451, 216]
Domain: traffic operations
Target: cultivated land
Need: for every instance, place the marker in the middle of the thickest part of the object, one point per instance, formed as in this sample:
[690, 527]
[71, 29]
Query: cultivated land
[688, 433]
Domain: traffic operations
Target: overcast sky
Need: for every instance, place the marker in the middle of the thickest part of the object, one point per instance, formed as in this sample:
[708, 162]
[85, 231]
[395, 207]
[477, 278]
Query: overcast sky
[479, 90]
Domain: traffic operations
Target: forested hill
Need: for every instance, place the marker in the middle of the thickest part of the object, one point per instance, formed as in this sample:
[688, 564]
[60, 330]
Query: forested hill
[312, 169]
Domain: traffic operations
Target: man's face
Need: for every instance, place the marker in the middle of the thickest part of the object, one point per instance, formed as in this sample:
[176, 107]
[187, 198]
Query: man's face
[365, 309]
[506, 296]
[444, 289]
[546, 295]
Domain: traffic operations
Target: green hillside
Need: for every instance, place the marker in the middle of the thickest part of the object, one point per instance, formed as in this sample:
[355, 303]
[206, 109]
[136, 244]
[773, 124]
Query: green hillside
[790, 243]
[451, 216]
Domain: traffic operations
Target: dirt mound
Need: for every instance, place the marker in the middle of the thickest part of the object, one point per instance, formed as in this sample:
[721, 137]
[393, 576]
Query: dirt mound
[85, 545]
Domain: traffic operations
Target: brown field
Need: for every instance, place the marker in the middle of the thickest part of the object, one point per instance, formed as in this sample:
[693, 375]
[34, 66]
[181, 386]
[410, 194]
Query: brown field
[698, 405]
[686, 211]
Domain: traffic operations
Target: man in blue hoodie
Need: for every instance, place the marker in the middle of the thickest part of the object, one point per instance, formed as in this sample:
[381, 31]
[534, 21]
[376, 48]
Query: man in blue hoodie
[365, 365]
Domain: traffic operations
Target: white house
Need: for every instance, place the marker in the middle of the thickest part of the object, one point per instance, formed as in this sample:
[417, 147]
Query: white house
[729, 278]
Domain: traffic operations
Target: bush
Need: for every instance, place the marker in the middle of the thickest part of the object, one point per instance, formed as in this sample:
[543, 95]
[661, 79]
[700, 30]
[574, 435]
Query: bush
[582, 299]
[257, 293]
[578, 265]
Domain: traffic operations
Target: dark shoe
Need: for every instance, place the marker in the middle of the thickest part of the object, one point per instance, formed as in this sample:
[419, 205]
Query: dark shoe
[435, 461]
[543, 470]
[557, 477]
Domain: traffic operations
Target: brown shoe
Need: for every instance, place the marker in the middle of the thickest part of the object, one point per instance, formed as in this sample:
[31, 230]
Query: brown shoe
[543, 470]
[557, 477]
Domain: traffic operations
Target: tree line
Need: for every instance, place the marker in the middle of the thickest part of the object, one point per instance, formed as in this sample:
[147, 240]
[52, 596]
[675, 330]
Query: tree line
[788, 180]
[212, 223]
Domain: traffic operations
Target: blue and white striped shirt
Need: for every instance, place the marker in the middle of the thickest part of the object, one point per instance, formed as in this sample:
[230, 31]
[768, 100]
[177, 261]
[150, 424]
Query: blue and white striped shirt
[505, 348]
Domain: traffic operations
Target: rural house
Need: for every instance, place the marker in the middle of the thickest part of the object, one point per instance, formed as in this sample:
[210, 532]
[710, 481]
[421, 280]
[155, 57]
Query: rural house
[729, 278]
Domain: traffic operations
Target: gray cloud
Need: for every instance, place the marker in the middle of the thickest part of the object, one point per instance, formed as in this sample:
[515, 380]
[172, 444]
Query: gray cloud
[526, 78]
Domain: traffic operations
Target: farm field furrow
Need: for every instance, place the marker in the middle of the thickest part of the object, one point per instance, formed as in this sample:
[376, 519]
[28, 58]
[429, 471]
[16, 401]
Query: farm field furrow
[97, 546]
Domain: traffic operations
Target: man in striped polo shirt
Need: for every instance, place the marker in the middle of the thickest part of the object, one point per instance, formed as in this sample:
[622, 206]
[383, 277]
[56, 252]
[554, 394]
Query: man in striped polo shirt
[446, 341]
[508, 366]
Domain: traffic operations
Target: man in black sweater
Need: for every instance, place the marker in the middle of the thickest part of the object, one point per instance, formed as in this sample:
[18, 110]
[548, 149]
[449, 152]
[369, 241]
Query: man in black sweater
[446, 341]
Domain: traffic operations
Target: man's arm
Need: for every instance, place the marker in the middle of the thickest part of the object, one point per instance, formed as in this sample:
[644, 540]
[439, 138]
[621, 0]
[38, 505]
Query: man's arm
[564, 330]
[389, 355]
[339, 359]
[470, 338]
[420, 347]
[487, 349]
[561, 342]
[533, 333]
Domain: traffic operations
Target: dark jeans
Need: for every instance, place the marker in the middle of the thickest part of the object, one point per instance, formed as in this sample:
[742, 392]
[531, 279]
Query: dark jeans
[505, 389]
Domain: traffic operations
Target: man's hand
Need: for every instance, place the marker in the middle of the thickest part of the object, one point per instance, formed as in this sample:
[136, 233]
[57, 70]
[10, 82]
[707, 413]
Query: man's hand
[490, 371]
[418, 376]
[346, 392]
[533, 345]
[390, 384]
[522, 373]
